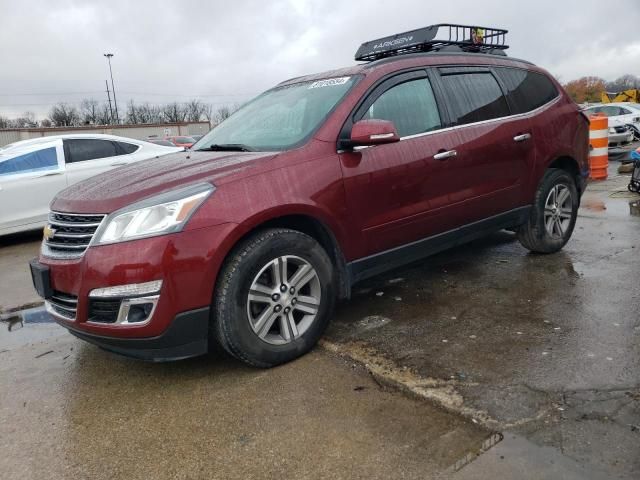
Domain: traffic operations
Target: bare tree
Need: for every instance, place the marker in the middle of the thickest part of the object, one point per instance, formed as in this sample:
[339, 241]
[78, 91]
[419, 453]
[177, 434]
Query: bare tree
[195, 110]
[224, 112]
[147, 113]
[103, 115]
[63, 115]
[26, 120]
[131, 115]
[173, 113]
[625, 82]
[46, 123]
[89, 111]
[5, 122]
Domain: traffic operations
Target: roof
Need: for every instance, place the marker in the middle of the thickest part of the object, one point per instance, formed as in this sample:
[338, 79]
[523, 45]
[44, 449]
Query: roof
[411, 59]
[52, 138]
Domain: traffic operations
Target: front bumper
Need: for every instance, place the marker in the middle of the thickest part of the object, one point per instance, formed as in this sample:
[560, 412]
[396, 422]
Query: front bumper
[187, 263]
[187, 336]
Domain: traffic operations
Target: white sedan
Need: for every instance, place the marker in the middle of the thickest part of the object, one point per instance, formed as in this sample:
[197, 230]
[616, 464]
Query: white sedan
[622, 113]
[33, 171]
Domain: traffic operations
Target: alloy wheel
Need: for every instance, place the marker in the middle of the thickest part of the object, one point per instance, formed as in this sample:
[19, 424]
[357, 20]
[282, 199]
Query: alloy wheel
[558, 210]
[284, 299]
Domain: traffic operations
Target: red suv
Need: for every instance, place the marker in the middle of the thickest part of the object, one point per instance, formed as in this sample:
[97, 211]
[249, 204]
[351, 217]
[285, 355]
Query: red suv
[246, 241]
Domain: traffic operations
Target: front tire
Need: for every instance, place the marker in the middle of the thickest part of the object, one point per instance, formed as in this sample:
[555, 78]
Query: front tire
[274, 298]
[553, 213]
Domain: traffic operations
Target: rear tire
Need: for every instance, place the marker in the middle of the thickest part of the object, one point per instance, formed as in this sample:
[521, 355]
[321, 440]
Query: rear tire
[553, 213]
[274, 298]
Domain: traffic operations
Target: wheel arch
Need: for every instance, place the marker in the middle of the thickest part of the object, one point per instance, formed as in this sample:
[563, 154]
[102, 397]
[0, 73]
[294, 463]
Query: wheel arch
[303, 221]
[569, 165]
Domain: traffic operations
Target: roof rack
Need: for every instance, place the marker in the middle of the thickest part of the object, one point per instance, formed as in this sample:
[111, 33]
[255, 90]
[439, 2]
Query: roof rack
[464, 38]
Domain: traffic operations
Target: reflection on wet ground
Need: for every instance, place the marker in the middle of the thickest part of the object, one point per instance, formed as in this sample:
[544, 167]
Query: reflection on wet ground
[70, 410]
[546, 346]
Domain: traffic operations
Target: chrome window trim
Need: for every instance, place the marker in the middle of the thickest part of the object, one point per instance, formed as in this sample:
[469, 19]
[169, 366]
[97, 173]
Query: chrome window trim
[474, 124]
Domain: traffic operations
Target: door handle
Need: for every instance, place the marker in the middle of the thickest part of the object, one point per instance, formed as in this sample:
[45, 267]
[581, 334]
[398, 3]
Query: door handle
[522, 138]
[50, 174]
[445, 155]
[118, 164]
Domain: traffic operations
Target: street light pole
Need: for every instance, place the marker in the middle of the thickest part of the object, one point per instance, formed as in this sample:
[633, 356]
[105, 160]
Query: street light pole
[113, 88]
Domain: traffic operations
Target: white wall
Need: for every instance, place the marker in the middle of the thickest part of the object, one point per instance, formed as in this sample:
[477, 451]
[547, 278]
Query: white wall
[139, 132]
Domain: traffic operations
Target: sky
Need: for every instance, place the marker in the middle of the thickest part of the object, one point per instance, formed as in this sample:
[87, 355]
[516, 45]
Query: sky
[225, 52]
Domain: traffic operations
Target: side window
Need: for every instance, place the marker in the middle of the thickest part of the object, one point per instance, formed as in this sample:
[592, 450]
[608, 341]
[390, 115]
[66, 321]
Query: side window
[526, 90]
[624, 111]
[411, 106]
[40, 160]
[611, 111]
[80, 150]
[474, 97]
[126, 148]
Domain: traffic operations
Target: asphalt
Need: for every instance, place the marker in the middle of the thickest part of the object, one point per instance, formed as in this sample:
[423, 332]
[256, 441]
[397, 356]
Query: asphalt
[545, 347]
[70, 410]
[482, 362]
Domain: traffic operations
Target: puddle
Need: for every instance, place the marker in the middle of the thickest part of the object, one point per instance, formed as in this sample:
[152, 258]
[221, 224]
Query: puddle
[27, 326]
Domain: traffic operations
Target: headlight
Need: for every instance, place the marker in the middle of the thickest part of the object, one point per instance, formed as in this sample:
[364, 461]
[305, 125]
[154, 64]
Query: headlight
[612, 130]
[158, 215]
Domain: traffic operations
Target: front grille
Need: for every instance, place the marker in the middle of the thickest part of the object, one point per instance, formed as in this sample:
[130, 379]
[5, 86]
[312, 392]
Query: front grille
[71, 234]
[104, 311]
[64, 304]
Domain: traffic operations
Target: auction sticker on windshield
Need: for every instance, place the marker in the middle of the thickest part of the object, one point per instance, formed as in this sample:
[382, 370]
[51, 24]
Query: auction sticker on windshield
[329, 82]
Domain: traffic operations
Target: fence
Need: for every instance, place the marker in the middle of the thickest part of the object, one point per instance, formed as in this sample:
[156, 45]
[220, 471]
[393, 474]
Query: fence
[139, 132]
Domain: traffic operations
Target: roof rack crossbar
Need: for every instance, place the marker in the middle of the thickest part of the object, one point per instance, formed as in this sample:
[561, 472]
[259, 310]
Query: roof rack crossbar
[432, 38]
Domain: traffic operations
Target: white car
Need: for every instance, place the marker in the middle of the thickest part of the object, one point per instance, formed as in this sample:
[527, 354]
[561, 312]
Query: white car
[619, 114]
[33, 171]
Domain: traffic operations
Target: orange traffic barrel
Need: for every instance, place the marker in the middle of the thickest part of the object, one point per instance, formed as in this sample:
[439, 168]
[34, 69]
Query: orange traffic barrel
[599, 147]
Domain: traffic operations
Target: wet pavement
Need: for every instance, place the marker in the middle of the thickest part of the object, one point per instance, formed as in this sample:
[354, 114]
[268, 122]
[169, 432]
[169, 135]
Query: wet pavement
[70, 410]
[482, 362]
[543, 346]
[15, 283]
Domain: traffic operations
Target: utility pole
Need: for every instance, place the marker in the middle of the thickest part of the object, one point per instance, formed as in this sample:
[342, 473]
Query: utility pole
[109, 97]
[113, 88]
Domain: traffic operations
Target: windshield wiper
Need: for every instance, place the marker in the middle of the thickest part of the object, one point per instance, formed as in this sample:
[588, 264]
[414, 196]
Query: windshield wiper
[226, 147]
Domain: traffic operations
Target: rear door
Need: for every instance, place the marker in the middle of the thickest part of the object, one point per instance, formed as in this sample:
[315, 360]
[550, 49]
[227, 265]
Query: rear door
[29, 180]
[87, 157]
[495, 154]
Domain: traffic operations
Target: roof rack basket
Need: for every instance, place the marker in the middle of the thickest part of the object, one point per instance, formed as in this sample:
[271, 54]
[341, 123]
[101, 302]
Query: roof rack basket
[464, 38]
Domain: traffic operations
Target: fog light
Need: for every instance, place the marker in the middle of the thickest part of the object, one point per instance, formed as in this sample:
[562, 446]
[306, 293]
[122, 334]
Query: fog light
[137, 302]
[139, 313]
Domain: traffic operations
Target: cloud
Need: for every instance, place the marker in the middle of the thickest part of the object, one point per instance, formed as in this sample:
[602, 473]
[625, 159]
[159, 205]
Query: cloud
[226, 52]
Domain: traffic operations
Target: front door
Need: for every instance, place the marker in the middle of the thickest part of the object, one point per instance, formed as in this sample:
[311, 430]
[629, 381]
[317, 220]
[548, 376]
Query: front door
[400, 192]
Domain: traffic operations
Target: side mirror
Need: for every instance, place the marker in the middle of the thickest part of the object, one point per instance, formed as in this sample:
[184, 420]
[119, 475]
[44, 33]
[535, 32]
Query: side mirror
[373, 132]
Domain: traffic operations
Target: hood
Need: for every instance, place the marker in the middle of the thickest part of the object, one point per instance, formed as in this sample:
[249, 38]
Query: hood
[123, 186]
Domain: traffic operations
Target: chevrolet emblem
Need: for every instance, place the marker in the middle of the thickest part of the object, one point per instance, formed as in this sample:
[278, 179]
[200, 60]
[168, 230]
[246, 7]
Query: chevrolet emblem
[49, 232]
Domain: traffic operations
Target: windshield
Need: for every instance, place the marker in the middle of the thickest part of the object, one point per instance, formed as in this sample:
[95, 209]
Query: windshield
[280, 118]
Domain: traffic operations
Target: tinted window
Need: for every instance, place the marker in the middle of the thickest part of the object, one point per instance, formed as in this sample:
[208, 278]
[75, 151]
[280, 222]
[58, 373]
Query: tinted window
[39, 160]
[474, 97]
[411, 106]
[527, 90]
[611, 111]
[87, 149]
[624, 111]
[126, 148]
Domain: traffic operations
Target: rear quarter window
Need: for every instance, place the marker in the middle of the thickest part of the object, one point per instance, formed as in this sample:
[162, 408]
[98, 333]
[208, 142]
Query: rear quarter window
[474, 97]
[526, 90]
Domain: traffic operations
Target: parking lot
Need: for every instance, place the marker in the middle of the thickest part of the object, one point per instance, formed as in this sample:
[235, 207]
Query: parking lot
[482, 362]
